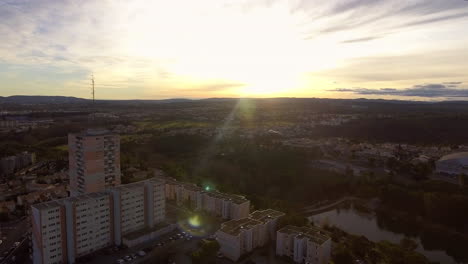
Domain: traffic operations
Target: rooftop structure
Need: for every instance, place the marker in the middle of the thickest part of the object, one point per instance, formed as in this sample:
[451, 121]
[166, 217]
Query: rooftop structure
[304, 244]
[240, 236]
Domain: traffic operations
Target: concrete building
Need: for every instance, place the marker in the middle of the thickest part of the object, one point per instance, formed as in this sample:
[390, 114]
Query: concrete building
[10, 164]
[155, 193]
[94, 161]
[240, 236]
[129, 209]
[49, 236]
[453, 164]
[304, 244]
[89, 224]
[137, 206]
[67, 229]
[227, 206]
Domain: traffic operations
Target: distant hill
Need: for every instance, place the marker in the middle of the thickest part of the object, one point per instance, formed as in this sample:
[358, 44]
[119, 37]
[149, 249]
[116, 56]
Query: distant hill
[36, 99]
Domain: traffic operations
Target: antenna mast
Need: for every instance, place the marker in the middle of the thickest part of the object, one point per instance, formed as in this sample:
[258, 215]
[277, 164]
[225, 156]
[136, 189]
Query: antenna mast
[92, 82]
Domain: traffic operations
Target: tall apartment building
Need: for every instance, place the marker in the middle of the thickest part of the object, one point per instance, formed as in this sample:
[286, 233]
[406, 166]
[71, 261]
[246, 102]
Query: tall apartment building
[137, 206]
[90, 224]
[49, 239]
[304, 244]
[94, 161]
[155, 193]
[129, 209]
[240, 236]
[67, 229]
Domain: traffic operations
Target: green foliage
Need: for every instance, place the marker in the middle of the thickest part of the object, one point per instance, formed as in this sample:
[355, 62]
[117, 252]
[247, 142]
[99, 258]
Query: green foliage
[206, 252]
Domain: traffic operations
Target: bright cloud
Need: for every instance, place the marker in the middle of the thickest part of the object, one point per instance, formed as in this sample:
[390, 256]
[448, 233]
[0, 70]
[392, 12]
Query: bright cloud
[214, 48]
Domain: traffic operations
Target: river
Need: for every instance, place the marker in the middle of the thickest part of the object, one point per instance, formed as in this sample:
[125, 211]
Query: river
[358, 223]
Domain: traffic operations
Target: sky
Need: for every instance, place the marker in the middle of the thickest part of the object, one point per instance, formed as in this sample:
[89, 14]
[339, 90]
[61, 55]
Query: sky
[151, 49]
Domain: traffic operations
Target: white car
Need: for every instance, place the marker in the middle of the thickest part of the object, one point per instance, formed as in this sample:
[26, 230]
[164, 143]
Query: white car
[120, 261]
[141, 253]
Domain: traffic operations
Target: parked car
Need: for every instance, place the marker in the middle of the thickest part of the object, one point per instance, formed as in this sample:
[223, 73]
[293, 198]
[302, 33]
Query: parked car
[120, 261]
[141, 253]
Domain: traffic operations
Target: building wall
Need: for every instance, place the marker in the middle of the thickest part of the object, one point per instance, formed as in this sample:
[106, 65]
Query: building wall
[302, 249]
[94, 162]
[89, 225]
[156, 202]
[230, 246]
[455, 167]
[49, 234]
[129, 209]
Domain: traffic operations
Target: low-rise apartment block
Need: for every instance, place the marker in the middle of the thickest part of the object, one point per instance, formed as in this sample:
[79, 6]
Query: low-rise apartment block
[304, 244]
[227, 206]
[240, 236]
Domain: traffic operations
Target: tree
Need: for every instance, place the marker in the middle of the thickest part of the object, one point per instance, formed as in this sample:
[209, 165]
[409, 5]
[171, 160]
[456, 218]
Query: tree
[408, 244]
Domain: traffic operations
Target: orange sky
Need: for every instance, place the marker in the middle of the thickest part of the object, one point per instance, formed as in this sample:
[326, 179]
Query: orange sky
[235, 48]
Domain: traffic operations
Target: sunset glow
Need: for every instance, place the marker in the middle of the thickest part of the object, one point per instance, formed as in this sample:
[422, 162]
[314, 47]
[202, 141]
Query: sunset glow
[212, 48]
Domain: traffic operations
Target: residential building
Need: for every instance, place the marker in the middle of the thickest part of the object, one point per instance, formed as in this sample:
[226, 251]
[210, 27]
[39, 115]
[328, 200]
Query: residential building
[240, 236]
[129, 209]
[304, 244]
[89, 224]
[10, 164]
[227, 206]
[94, 161]
[137, 206]
[67, 229]
[155, 192]
[453, 164]
[49, 236]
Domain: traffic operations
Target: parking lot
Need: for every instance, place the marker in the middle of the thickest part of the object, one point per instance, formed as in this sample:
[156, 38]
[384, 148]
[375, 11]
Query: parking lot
[164, 247]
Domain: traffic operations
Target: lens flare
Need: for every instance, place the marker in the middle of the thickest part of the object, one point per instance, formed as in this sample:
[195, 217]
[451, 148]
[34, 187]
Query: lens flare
[194, 221]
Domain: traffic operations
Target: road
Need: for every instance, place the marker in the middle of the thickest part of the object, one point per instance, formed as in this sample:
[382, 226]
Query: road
[12, 232]
[313, 209]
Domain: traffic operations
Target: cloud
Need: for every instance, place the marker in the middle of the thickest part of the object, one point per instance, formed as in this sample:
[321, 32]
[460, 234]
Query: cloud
[436, 19]
[361, 39]
[423, 90]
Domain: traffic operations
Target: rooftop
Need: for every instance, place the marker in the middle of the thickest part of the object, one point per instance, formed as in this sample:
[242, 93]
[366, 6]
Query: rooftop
[238, 199]
[85, 197]
[266, 215]
[47, 205]
[459, 155]
[94, 132]
[235, 227]
[314, 234]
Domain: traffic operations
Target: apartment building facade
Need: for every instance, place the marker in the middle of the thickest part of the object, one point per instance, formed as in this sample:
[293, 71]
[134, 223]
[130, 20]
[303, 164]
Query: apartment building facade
[304, 244]
[94, 161]
[137, 206]
[227, 206]
[90, 224]
[49, 239]
[67, 229]
[240, 236]
[129, 209]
